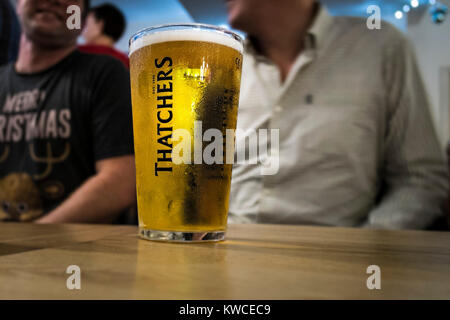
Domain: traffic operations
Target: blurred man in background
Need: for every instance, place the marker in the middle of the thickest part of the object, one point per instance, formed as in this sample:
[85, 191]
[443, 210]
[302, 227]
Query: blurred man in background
[9, 33]
[66, 150]
[357, 145]
[105, 25]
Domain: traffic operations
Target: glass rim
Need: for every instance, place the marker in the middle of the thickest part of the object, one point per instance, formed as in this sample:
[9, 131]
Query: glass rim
[200, 26]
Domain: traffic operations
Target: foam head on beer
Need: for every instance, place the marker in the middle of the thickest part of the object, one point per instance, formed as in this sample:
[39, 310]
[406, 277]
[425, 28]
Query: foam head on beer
[184, 35]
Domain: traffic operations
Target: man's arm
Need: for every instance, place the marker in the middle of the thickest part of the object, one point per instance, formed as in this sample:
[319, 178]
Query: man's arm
[102, 197]
[112, 189]
[414, 170]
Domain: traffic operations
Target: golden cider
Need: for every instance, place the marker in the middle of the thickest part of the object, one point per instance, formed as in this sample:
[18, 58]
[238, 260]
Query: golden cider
[174, 84]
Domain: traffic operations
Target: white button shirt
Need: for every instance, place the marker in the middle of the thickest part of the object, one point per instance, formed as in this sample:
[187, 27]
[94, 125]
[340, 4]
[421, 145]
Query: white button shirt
[353, 120]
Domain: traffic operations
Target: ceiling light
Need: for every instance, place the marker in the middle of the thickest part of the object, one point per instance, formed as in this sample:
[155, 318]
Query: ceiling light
[399, 14]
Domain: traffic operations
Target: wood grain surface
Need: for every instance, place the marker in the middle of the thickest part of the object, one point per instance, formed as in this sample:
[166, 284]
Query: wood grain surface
[256, 262]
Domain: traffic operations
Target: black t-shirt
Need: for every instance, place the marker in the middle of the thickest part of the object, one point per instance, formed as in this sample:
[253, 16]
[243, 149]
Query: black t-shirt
[54, 126]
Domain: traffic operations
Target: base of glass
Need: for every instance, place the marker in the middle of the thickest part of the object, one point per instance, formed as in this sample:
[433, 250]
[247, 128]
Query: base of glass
[178, 236]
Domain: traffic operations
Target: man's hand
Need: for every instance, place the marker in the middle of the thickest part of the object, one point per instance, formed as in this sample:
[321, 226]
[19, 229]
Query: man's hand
[102, 197]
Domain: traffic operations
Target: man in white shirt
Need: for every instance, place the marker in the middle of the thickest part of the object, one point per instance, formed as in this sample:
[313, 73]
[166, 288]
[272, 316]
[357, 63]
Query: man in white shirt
[356, 142]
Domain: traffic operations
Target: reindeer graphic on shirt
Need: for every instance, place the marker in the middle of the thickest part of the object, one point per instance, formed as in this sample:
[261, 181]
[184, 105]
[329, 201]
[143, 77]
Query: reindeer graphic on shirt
[20, 198]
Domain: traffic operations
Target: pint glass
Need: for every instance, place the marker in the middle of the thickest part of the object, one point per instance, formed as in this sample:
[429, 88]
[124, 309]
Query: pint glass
[185, 82]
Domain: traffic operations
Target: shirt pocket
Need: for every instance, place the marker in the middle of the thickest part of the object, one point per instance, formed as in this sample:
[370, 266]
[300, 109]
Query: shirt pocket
[341, 135]
[341, 143]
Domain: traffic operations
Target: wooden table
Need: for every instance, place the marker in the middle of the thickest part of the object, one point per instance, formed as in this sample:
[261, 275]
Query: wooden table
[256, 262]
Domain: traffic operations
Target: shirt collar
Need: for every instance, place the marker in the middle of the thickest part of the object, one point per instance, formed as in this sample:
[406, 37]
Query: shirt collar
[316, 33]
[320, 26]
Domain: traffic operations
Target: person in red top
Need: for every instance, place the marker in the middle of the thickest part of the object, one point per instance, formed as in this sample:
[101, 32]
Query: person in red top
[105, 25]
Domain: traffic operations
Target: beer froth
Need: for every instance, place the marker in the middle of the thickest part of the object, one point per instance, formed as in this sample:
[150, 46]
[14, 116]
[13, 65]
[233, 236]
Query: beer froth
[186, 35]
